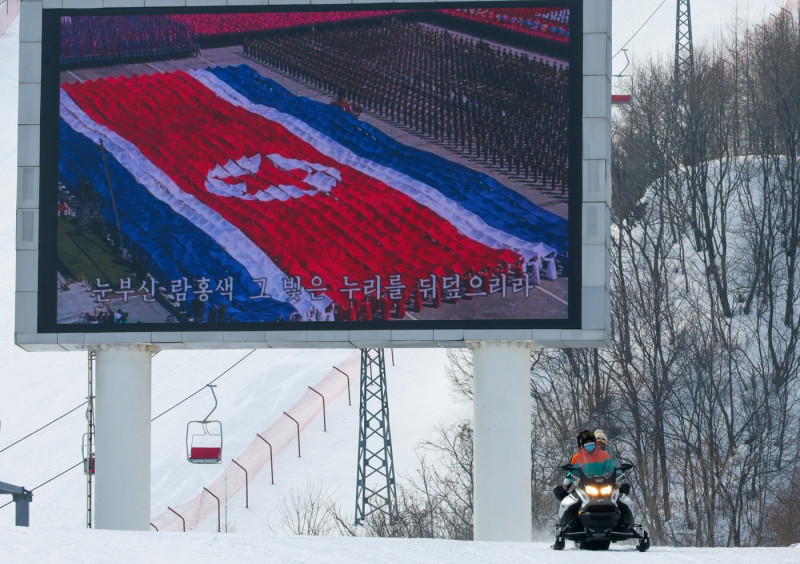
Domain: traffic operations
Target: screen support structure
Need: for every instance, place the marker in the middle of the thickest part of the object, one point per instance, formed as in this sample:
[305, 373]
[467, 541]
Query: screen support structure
[122, 433]
[502, 440]
[89, 456]
[375, 458]
[22, 499]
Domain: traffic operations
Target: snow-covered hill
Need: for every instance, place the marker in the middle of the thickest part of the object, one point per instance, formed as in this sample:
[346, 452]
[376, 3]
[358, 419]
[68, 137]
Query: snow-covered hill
[257, 387]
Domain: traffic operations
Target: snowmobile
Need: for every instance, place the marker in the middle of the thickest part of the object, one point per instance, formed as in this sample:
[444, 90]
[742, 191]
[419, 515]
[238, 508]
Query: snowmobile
[598, 511]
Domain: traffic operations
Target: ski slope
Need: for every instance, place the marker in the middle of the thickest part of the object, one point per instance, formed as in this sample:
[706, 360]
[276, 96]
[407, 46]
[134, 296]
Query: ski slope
[121, 547]
[36, 388]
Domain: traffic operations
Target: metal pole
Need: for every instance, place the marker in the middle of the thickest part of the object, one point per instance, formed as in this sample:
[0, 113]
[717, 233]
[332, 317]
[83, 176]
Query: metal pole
[180, 517]
[271, 468]
[298, 431]
[219, 513]
[111, 192]
[90, 458]
[349, 402]
[324, 417]
[246, 486]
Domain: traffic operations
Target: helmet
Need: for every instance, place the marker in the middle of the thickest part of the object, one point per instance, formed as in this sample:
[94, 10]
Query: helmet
[600, 437]
[585, 436]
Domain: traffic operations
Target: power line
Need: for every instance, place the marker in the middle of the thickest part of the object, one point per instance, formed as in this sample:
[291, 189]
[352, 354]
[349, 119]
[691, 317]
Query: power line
[42, 427]
[47, 481]
[153, 419]
[204, 387]
[640, 28]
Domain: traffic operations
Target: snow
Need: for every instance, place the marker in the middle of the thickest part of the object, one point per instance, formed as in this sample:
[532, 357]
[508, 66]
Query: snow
[258, 387]
[84, 546]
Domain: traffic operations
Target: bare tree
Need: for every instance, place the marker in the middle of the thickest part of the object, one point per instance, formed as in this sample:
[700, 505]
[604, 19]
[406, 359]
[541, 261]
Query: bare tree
[308, 511]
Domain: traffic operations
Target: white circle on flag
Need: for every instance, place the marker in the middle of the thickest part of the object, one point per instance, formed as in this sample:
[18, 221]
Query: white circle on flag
[230, 180]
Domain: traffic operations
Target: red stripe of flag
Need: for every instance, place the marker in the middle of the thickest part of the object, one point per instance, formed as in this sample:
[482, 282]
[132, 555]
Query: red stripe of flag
[361, 229]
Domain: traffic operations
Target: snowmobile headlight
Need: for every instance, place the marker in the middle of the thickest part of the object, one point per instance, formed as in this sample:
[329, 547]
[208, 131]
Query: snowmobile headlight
[591, 490]
[606, 490]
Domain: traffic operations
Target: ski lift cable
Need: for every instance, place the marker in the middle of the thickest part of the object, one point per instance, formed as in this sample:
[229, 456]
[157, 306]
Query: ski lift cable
[204, 387]
[153, 419]
[640, 28]
[47, 481]
[42, 427]
[84, 403]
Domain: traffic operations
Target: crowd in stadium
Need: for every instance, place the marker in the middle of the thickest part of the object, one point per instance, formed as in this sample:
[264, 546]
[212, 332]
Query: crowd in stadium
[87, 41]
[494, 104]
[545, 23]
[212, 25]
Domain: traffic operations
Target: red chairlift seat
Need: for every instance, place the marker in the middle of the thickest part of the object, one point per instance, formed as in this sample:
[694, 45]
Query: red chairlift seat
[204, 438]
[205, 453]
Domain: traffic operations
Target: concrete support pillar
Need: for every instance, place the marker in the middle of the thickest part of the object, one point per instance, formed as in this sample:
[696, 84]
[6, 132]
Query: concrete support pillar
[122, 441]
[502, 440]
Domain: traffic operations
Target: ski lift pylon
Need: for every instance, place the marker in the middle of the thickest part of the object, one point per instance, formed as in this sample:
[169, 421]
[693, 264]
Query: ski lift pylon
[204, 438]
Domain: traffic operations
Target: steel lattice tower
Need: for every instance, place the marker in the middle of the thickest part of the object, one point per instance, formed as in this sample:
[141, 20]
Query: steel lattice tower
[375, 458]
[684, 53]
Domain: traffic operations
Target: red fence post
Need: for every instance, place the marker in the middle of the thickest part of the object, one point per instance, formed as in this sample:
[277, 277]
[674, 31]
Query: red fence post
[324, 417]
[298, 431]
[219, 520]
[246, 486]
[348, 384]
[181, 518]
[271, 467]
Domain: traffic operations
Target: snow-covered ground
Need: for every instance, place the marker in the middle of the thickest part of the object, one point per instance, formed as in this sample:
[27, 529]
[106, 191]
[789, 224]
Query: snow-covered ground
[36, 388]
[58, 545]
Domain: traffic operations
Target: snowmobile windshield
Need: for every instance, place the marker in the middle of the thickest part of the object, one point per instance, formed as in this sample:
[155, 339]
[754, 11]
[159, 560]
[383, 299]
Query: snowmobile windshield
[597, 464]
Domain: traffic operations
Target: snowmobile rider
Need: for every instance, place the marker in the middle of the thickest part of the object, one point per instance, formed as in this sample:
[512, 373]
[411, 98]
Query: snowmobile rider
[602, 443]
[586, 442]
[600, 439]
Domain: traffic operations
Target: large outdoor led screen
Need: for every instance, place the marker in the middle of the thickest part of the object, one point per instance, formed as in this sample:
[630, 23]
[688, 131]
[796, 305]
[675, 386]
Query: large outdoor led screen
[328, 167]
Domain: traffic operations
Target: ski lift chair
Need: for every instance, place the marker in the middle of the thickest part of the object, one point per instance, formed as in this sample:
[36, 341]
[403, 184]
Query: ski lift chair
[88, 457]
[204, 438]
[623, 83]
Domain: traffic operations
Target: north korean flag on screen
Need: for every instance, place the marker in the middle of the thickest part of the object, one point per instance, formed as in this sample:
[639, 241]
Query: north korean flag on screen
[222, 172]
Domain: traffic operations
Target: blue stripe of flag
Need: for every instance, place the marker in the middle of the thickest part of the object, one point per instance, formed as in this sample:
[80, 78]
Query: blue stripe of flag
[498, 205]
[174, 247]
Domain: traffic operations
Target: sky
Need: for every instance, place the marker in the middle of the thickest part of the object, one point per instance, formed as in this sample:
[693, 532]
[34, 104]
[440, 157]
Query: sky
[38, 387]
